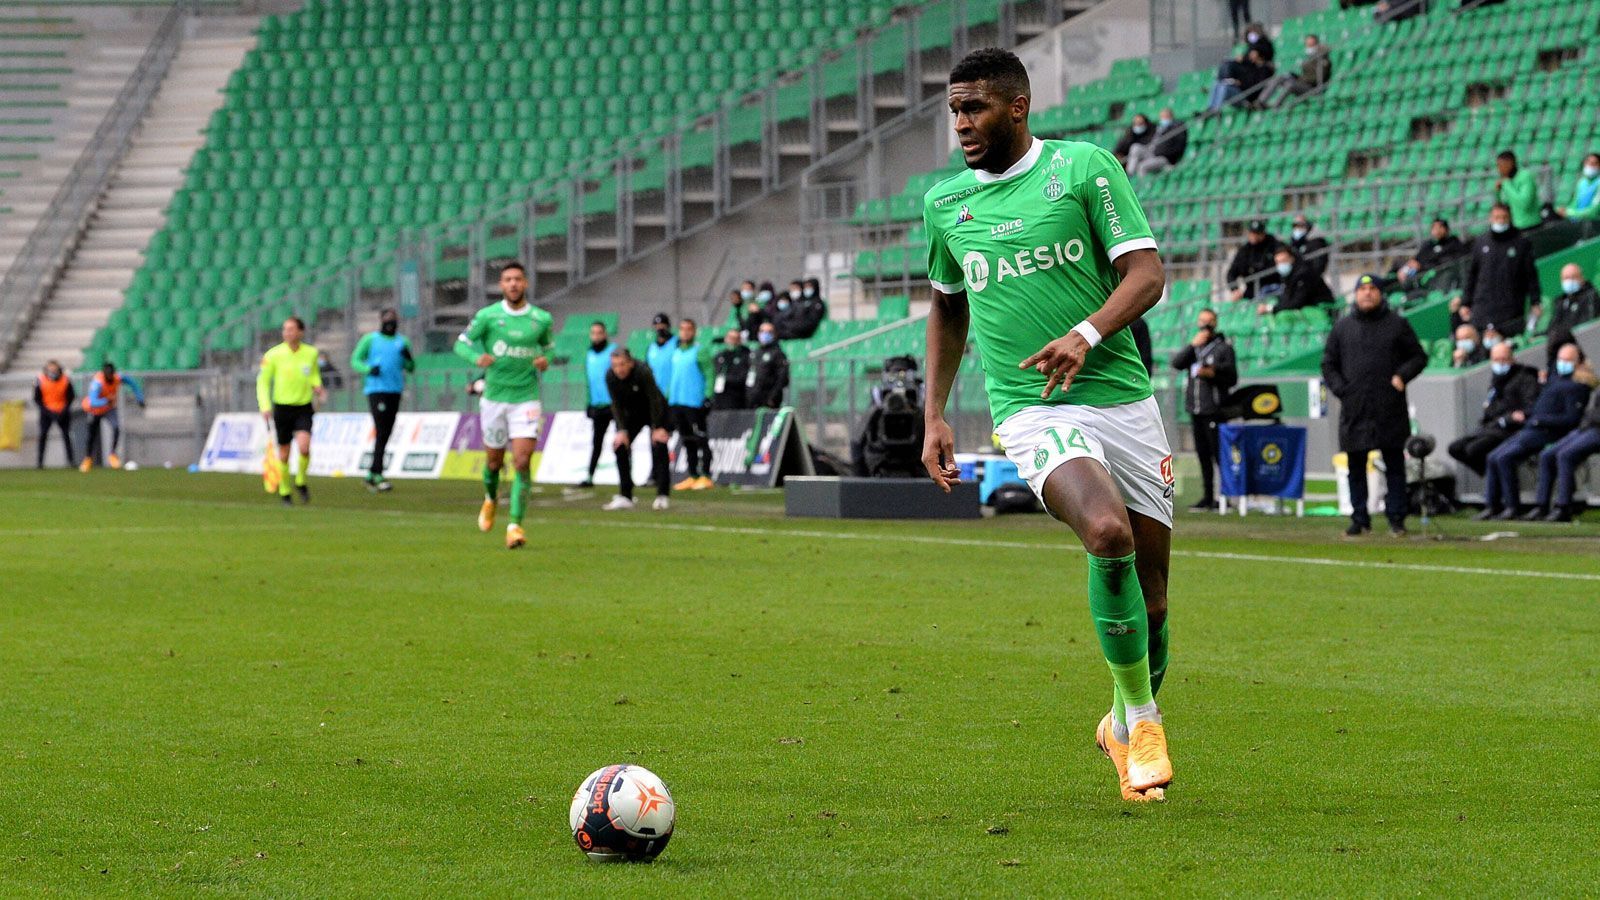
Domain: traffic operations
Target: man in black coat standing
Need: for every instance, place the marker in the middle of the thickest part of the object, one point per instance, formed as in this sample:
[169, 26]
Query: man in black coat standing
[1213, 371]
[731, 371]
[1502, 283]
[1370, 356]
[769, 370]
[1512, 390]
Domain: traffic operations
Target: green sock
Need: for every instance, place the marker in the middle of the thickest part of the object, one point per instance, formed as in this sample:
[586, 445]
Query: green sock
[519, 496]
[1158, 657]
[1117, 605]
[300, 466]
[283, 478]
[1119, 710]
[491, 484]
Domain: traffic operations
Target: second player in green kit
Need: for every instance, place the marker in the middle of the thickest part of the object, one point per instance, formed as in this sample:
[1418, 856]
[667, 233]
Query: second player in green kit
[511, 341]
[1040, 249]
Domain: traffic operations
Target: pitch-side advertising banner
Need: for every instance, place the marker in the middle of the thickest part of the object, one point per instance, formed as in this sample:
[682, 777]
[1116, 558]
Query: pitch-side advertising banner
[569, 436]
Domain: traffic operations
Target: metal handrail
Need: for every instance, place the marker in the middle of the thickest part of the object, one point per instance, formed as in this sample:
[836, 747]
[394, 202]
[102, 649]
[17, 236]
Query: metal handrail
[45, 252]
[568, 186]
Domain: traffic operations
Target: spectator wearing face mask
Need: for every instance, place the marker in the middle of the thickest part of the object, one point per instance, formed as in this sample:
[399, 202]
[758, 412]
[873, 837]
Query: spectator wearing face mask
[1556, 412]
[1251, 68]
[1164, 150]
[730, 370]
[1513, 388]
[751, 311]
[1213, 371]
[1252, 265]
[658, 356]
[1502, 287]
[1307, 246]
[769, 370]
[1559, 462]
[332, 378]
[1576, 304]
[1302, 285]
[812, 308]
[1517, 189]
[1315, 72]
[1469, 349]
[1586, 198]
[1139, 133]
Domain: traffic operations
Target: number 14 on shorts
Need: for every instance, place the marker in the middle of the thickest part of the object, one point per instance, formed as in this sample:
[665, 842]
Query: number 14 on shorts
[1074, 439]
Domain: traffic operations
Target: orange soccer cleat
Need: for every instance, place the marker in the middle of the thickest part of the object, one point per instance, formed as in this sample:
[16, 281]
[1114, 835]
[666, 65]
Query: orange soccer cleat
[1106, 739]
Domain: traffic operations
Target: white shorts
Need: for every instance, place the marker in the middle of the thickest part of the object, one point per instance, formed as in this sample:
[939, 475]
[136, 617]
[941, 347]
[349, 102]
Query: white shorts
[501, 422]
[1128, 440]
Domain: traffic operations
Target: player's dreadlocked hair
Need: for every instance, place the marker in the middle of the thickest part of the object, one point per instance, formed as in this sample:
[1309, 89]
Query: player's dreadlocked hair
[999, 67]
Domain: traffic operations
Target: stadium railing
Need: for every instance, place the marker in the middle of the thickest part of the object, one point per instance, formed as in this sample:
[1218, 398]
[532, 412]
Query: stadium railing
[49, 246]
[645, 195]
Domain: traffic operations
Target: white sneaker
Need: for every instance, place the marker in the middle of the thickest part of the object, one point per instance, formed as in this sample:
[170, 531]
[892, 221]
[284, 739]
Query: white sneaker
[618, 502]
[660, 503]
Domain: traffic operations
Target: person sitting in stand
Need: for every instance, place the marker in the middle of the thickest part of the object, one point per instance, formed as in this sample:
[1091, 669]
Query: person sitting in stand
[1469, 349]
[1302, 286]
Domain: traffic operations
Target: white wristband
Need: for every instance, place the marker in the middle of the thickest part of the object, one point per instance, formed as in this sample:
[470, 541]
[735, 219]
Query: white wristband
[1089, 332]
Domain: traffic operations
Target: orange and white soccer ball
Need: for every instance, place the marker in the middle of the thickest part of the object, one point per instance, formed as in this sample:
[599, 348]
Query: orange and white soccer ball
[622, 813]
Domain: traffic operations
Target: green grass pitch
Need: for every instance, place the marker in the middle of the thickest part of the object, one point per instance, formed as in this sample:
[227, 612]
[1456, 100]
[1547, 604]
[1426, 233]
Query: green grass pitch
[207, 694]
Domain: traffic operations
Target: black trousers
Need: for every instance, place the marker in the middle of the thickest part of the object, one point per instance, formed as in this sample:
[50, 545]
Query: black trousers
[61, 420]
[1472, 450]
[1395, 502]
[1239, 15]
[660, 466]
[384, 407]
[600, 418]
[1206, 447]
[690, 423]
[92, 450]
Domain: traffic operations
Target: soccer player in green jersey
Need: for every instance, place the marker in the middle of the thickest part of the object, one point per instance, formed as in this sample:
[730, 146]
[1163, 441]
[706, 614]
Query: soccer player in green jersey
[1042, 251]
[511, 341]
[288, 381]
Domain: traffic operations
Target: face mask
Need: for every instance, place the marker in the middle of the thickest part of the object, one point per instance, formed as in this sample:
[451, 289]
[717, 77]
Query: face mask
[1252, 37]
[810, 292]
[746, 294]
[766, 337]
[1408, 272]
[597, 345]
[1138, 129]
[1490, 342]
[1565, 367]
[794, 293]
[1164, 124]
[1499, 227]
[1465, 346]
[1298, 233]
[1499, 368]
[783, 303]
[1311, 50]
[1284, 268]
[663, 332]
[389, 328]
[764, 296]
[1591, 171]
[1570, 285]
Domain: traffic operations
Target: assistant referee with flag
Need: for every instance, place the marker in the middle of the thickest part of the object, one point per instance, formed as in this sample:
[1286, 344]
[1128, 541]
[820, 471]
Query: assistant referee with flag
[288, 382]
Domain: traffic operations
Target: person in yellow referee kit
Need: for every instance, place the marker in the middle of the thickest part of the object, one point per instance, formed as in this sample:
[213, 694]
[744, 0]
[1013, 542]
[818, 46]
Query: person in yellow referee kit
[288, 381]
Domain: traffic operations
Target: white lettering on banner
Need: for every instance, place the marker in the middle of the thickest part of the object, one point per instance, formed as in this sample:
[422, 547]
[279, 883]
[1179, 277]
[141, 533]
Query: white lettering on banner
[341, 444]
[235, 444]
[419, 446]
[1025, 262]
[336, 443]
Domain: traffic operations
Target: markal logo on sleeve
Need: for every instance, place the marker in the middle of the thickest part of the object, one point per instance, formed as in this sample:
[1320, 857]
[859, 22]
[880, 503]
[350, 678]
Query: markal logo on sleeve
[1113, 218]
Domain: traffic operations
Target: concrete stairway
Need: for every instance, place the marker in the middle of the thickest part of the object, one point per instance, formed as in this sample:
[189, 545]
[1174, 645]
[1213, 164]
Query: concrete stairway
[132, 209]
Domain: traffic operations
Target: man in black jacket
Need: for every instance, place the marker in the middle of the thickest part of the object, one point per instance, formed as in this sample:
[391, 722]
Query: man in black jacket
[1138, 133]
[1559, 462]
[1251, 268]
[1557, 411]
[1307, 246]
[638, 407]
[1213, 371]
[769, 370]
[730, 370]
[1302, 285]
[1502, 284]
[1512, 389]
[1315, 72]
[1440, 248]
[1370, 356]
[1576, 304]
[1164, 150]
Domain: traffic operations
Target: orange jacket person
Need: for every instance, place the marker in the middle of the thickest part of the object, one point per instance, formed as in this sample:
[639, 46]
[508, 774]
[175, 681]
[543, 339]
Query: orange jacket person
[54, 395]
[101, 405]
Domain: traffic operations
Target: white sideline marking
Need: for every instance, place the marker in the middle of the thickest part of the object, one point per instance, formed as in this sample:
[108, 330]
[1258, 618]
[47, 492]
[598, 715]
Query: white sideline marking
[133, 529]
[1025, 545]
[812, 533]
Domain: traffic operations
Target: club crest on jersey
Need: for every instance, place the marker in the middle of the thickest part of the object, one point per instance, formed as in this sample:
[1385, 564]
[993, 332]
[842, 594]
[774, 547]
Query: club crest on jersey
[964, 216]
[1053, 188]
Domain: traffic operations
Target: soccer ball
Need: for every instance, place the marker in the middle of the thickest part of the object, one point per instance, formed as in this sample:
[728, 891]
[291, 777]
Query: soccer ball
[622, 813]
